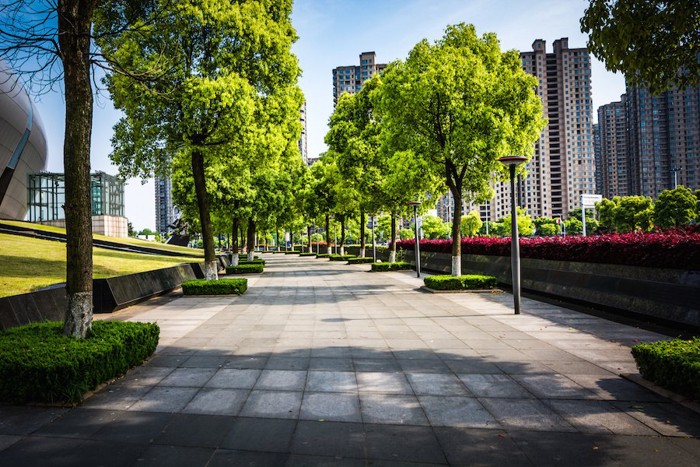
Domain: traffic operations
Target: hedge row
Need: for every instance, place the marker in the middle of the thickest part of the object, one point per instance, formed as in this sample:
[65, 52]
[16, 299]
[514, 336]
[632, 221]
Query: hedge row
[323, 255]
[39, 364]
[255, 261]
[245, 268]
[292, 252]
[466, 282]
[397, 266]
[673, 364]
[677, 249]
[361, 260]
[307, 254]
[219, 287]
[341, 257]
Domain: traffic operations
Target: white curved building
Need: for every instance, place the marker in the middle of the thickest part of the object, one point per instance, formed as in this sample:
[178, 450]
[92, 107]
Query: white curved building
[23, 148]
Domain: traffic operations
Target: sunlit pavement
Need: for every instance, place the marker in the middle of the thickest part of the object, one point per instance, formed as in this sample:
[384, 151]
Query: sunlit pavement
[322, 363]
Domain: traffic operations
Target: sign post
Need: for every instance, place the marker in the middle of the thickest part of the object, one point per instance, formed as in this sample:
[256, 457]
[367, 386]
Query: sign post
[588, 201]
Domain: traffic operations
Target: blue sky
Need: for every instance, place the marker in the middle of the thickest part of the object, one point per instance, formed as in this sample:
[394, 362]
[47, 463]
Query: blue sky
[333, 33]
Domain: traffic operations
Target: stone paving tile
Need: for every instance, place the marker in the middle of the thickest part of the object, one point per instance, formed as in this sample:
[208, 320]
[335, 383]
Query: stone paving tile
[553, 386]
[392, 409]
[331, 381]
[116, 397]
[165, 399]
[260, 434]
[525, 414]
[436, 384]
[457, 411]
[403, 444]
[272, 404]
[473, 446]
[341, 440]
[281, 380]
[331, 364]
[188, 377]
[79, 423]
[195, 430]
[175, 456]
[234, 379]
[599, 417]
[217, 401]
[25, 420]
[501, 386]
[331, 407]
[134, 427]
[385, 383]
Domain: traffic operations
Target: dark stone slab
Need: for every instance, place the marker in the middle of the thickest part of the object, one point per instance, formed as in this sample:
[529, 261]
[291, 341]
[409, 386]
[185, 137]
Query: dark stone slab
[260, 434]
[43, 305]
[225, 458]
[474, 446]
[195, 430]
[175, 456]
[134, 427]
[403, 443]
[40, 451]
[329, 439]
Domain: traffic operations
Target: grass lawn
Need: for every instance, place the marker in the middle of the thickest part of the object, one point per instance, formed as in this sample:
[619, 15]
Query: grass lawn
[29, 264]
[127, 241]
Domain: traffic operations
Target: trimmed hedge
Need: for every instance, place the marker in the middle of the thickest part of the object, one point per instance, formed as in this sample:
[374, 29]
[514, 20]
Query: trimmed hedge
[673, 364]
[245, 268]
[39, 364]
[466, 282]
[341, 257]
[307, 254]
[397, 266]
[292, 252]
[323, 255]
[255, 261]
[361, 260]
[675, 249]
[218, 287]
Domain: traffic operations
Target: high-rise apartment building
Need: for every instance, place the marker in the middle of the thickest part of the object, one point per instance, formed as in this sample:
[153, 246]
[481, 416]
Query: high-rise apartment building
[165, 211]
[612, 156]
[563, 167]
[664, 139]
[303, 148]
[350, 78]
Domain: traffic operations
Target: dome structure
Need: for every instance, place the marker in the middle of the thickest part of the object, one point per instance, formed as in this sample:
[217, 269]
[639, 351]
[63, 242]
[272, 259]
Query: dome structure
[23, 148]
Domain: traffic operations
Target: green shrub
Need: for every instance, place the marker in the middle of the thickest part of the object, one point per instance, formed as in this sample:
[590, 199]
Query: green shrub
[323, 255]
[39, 364]
[673, 364]
[292, 252]
[341, 257]
[467, 282]
[245, 268]
[255, 261]
[307, 254]
[219, 287]
[361, 260]
[397, 266]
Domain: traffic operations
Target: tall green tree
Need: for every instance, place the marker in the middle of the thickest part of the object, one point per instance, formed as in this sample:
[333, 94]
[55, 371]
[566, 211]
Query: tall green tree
[220, 62]
[653, 42]
[471, 224]
[675, 208]
[460, 104]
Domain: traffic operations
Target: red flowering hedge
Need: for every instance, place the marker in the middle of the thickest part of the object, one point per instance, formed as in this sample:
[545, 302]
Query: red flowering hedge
[677, 249]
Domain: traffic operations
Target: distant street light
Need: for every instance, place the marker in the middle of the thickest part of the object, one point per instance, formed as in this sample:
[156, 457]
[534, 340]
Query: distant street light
[415, 205]
[512, 162]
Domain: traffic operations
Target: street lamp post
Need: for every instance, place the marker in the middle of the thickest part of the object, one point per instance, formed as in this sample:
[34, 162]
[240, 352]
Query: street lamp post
[415, 205]
[512, 162]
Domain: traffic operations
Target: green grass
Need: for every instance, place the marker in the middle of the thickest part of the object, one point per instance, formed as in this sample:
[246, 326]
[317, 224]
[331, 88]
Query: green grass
[29, 264]
[195, 252]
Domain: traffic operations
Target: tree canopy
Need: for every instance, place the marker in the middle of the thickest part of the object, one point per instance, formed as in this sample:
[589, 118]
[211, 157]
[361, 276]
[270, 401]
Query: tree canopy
[653, 42]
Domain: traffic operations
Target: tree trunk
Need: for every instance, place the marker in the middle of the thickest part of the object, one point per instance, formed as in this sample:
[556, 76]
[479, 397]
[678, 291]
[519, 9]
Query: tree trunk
[456, 234]
[363, 243]
[392, 253]
[279, 248]
[309, 248]
[211, 266]
[74, 28]
[342, 236]
[251, 239]
[328, 234]
[234, 241]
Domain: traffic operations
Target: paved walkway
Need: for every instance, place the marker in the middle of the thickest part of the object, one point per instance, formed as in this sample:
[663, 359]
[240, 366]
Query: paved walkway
[322, 363]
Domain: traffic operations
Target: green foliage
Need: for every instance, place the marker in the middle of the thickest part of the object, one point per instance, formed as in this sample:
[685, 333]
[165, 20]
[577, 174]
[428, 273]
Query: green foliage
[525, 225]
[245, 268]
[673, 364]
[652, 42]
[219, 287]
[406, 234]
[547, 230]
[470, 224]
[675, 208]
[361, 260]
[39, 364]
[292, 252]
[466, 282]
[433, 227]
[307, 254]
[397, 266]
[253, 261]
[456, 106]
[323, 255]
[573, 226]
[341, 257]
